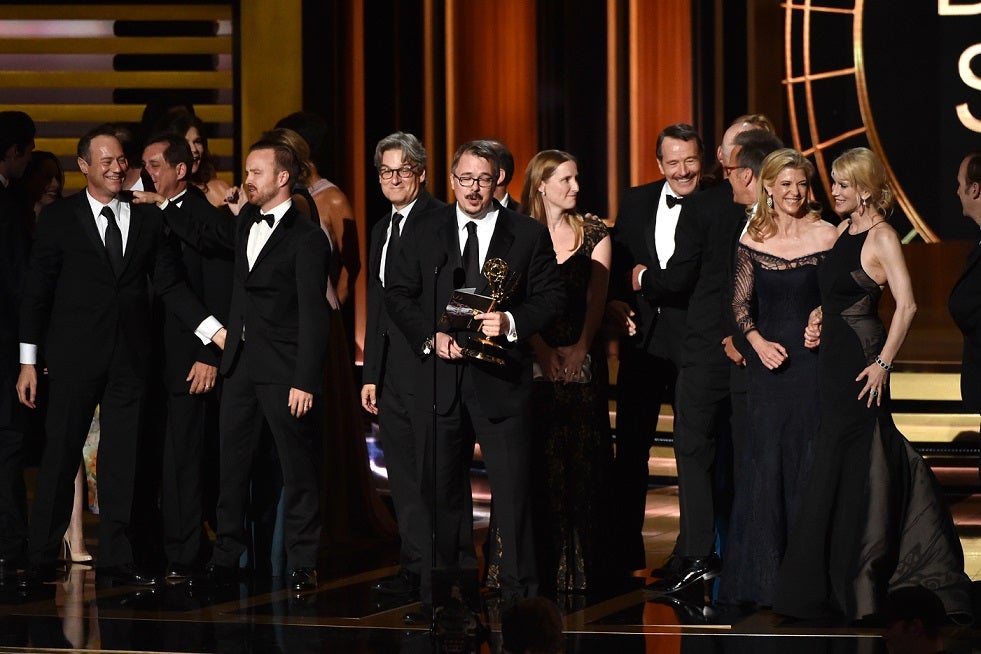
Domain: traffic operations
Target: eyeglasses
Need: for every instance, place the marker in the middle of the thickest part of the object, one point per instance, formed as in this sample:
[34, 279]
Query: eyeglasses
[405, 172]
[467, 182]
[728, 170]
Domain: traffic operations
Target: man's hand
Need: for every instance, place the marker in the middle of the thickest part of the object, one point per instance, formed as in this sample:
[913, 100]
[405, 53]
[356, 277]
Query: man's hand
[494, 323]
[447, 347]
[202, 377]
[148, 197]
[635, 276]
[300, 402]
[812, 333]
[734, 355]
[236, 197]
[219, 337]
[27, 385]
[619, 316]
[369, 399]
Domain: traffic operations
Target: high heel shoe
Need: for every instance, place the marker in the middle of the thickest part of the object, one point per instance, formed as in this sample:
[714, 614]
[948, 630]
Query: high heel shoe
[71, 558]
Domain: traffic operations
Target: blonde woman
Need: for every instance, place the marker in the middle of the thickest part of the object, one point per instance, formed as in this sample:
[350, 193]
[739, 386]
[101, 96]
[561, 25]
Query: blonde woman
[572, 444]
[775, 290]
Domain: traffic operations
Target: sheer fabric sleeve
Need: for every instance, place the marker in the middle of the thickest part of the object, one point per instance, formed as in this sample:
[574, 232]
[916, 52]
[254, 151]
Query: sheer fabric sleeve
[742, 290]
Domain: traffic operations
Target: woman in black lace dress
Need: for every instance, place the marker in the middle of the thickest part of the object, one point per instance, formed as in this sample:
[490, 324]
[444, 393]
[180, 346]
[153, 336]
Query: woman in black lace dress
[572, 446]
[872, 517]
[775, 290]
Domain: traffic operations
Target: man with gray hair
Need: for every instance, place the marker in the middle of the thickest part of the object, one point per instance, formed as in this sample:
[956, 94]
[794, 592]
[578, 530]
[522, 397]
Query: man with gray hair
[391, 368]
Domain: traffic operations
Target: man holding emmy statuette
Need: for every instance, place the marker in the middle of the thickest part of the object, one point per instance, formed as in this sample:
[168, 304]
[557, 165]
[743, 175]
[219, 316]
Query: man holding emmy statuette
[483, 361]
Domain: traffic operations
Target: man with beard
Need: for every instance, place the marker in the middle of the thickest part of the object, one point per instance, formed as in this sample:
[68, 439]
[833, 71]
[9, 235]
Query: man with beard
[87, 304]
[272, 364]
[472, 396]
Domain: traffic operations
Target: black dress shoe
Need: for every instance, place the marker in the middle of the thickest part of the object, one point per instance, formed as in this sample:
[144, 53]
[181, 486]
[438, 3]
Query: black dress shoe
[36, 575]
[423, 617]
[178, 573]
[303, 579]
[404, 584]
[122, 575]
[692, 570]
[214, 576]
[671, 566]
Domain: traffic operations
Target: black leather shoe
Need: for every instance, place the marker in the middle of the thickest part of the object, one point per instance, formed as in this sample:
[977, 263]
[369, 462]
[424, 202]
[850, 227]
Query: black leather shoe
[214, 576]
[671, 566]
[122, 575]
[178, 573]
[405, 584]
[692, 570]
[36, 575]
[303, 579]
[420, 618]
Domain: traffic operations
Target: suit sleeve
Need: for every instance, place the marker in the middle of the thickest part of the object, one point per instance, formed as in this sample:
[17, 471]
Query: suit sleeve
[170, 285]
[202, 232]
[44, 266]
[545, 295]
[312, 265]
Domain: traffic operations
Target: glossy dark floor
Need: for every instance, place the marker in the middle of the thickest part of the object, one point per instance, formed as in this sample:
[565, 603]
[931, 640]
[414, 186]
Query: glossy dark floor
[345, 615]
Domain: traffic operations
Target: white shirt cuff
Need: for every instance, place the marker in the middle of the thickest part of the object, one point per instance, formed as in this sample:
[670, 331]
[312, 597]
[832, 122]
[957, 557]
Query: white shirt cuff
[28, 353]
[512, 332]
[640, 278]
[163, 205]
[207, 329]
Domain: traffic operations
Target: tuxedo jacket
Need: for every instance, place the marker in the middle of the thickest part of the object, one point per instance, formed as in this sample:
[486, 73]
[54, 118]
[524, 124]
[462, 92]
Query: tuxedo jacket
[659, 308]
[703, 265]
[385, 347]
[74, 306]
[280, 306]
[431, 245]
[965, 308]
[209, 275]
[15, 244]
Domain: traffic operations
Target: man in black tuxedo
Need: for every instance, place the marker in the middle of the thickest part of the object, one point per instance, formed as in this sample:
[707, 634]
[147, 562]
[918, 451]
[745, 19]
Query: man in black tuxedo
[392, 369]
[703, 264]
[507, 174]
[273, 362]
[651, 317]
[87, 306]
[16, 144]
[451, 244]
[965, 298]
[190, 368]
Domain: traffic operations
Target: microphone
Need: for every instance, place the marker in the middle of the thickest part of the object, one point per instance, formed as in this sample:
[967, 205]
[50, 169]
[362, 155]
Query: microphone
[440, 262]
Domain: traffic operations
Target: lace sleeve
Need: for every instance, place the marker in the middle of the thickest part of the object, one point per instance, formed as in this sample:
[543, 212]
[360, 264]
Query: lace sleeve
[742, 290]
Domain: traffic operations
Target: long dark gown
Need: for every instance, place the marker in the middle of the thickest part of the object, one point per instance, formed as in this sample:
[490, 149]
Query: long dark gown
[872, 517]
[774, 296]
[571, 450]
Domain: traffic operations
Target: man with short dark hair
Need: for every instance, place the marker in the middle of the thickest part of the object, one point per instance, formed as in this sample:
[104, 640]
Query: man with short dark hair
[87, 305]
[392, 370]
[16, 145]
[651, 319]
[447, 248]
[273, 361]
[190, 368]
[507, 174]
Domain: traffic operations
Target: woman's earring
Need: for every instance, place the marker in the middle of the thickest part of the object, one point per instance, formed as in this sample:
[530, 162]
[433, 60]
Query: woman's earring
[769, 201]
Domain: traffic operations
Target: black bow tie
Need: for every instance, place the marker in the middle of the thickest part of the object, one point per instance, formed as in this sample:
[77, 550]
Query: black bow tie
[268, 217]
[673, 201]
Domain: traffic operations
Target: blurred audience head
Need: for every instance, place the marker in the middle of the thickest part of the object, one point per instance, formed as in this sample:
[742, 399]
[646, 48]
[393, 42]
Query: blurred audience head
[314, 130]
[43, 179]
[17, 133]
[506, 160]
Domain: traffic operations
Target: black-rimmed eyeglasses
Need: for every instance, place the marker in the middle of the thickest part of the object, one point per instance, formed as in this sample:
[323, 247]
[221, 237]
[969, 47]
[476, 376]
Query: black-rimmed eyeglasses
[467, 181]
[405, 172]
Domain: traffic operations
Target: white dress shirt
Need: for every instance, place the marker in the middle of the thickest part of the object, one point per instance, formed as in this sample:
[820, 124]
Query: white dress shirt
[260, 232]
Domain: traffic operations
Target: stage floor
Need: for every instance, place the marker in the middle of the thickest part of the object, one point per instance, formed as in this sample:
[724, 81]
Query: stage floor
[345, 615]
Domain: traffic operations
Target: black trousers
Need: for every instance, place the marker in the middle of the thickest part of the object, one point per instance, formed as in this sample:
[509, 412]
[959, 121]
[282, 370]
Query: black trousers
[505, 444]
[120, 394]
[245, 405]
[13, 498]
[644, 382]
[702, 412]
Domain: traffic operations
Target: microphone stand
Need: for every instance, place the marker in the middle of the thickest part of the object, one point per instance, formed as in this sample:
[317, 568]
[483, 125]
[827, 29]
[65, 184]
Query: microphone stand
[432, 522]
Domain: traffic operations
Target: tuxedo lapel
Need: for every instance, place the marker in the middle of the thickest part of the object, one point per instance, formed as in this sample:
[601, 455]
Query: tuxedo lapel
[649, 221]
[135, 230]
[83, 213]
[277, 235]
[451, 239]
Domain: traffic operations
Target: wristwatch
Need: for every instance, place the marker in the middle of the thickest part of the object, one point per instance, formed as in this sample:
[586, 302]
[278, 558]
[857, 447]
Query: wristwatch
[427, 346]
